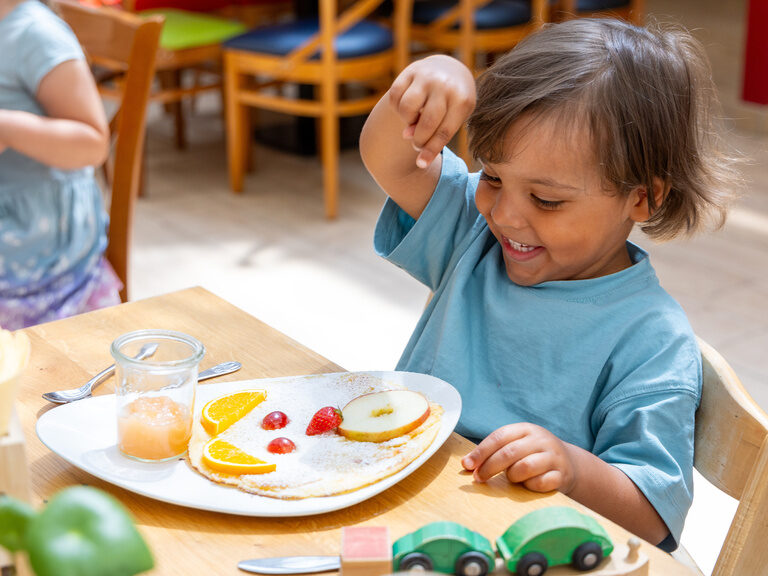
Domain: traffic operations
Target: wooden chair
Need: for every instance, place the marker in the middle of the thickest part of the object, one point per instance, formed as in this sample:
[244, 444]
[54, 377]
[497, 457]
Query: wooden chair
[631, 10]
[190, 42]
[731, 452]
[118, 40]
[258, 63]
[476, 27]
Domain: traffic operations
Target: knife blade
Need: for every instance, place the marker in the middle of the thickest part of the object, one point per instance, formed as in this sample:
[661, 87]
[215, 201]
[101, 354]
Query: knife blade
[291, 564]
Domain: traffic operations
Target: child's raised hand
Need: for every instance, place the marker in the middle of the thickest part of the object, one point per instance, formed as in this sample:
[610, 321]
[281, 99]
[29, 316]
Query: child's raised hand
[529, 454]
[434, 97]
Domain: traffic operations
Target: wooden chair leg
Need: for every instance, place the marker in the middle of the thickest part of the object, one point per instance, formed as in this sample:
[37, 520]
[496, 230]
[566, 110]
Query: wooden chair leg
[178, 112]
[329, 151]
[235, 120]
[249, 123]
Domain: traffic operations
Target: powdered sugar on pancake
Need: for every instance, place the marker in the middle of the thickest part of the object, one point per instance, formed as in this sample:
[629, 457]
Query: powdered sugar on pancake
[324, 464]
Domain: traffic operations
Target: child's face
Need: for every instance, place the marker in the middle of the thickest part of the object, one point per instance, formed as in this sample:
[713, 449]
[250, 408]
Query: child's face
[547, 206]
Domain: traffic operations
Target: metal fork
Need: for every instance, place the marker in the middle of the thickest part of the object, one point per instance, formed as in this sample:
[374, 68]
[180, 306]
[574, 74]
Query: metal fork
[64, 396]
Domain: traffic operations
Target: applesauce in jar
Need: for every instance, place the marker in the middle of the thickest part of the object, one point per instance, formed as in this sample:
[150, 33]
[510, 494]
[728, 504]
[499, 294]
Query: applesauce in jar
[155, 394]
[154, 428]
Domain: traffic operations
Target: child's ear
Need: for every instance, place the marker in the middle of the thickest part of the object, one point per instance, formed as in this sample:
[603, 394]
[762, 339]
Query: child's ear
[641, 210]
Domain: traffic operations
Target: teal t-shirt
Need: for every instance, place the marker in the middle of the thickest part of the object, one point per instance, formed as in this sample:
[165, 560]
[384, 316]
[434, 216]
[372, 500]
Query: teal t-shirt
[609, 364]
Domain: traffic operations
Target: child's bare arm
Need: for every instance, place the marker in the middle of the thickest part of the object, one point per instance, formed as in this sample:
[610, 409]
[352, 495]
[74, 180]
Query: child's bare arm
[74, 135]
[425, 106]
[533, 456]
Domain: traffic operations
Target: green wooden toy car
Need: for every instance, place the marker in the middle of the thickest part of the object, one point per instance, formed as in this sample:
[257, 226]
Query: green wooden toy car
[444, 547]
[551, 537]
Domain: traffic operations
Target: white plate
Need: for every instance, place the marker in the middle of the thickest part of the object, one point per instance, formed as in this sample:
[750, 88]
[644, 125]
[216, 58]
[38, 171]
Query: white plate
[85, 434]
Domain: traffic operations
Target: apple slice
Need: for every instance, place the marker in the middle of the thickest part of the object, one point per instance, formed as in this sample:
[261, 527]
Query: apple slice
[381, 416]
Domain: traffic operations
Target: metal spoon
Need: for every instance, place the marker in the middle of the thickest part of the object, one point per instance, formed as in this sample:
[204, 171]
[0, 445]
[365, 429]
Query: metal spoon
[65, 396]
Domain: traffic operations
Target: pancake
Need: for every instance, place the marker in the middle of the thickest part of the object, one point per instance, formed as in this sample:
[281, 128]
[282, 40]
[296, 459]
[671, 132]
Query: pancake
[322, 465]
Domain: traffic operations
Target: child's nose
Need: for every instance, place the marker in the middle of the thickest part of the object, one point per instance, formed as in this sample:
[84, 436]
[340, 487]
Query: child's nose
[509, 212]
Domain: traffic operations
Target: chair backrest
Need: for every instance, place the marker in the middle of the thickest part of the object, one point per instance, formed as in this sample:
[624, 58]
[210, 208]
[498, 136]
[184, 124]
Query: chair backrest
[333, 23]
[471, 40]
[634, 11]
[120, 41]
[731, 452]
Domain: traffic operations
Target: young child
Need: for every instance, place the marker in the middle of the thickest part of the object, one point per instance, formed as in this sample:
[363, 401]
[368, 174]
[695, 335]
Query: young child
[52, 130]
[577, 372]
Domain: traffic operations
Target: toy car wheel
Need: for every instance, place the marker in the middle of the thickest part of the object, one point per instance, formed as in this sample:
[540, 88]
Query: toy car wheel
[471, 564]
[532, 564]
[587, 556]
[416, 561]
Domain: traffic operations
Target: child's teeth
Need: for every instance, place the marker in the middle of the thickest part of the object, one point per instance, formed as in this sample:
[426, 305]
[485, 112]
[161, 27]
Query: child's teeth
[520, 247]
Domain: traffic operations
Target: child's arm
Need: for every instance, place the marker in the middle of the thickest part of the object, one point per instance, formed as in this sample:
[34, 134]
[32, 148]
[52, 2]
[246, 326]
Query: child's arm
[538, 459]
[74, 135]
[425, 106]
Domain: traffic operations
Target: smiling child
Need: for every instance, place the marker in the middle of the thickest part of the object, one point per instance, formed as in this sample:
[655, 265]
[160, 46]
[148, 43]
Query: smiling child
[577, 371]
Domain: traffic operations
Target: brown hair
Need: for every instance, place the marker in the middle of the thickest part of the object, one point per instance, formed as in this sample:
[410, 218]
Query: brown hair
[647, 98]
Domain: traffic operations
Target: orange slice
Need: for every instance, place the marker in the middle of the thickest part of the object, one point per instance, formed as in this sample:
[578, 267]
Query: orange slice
[222, 456]
[220, 413]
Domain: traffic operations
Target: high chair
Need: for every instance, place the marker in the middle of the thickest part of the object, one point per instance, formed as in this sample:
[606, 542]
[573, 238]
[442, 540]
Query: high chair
[631, 10]
[731, 452]
[473, 29]
[329, 54]
[118, 40]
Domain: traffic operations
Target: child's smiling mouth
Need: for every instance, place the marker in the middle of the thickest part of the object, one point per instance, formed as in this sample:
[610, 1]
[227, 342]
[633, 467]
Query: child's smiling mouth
[519, 251]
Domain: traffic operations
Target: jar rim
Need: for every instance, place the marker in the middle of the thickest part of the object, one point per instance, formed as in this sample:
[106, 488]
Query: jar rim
[198, 350]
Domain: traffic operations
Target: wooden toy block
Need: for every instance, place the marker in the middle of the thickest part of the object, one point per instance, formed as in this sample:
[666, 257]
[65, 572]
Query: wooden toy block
[365, 551]
[14, 473]
[14, 481]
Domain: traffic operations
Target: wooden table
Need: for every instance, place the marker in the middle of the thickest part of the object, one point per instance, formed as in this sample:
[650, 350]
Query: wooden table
[191, 542]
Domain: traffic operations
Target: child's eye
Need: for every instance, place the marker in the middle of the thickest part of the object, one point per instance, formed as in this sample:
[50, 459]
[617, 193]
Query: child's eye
[493, 180]
[547, 204]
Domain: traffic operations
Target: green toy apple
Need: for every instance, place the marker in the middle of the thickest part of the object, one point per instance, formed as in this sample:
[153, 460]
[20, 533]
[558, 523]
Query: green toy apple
[14, 520]
[81, 532]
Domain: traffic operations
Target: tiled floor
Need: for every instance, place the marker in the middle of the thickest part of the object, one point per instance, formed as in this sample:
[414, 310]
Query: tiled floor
[271, 252]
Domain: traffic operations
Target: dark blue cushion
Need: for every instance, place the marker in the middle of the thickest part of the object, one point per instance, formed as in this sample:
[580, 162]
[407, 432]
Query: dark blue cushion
[591, 5]
[496, 14]
[363, 39]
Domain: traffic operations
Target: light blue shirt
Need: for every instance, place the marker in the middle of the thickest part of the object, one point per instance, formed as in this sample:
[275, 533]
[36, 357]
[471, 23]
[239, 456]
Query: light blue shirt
[52, 222]
[609, 364]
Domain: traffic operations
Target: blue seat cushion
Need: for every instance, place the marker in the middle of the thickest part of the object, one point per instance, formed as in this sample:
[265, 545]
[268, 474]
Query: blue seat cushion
[591, 5]
[363, 39]
[496, 14]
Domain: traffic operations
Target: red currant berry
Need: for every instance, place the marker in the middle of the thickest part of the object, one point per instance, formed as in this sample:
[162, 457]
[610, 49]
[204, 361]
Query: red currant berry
[281, 446]
[274, 420]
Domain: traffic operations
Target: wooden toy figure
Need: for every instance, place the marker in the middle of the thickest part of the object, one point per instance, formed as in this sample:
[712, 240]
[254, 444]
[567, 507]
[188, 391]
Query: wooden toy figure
[365, 551]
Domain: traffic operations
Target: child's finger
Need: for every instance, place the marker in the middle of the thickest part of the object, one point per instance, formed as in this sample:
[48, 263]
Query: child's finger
[442, 134]
[409, 130]
[430, 119]
[493, 442]
[409, 104]
[505, 457]
[398, 88]
[550, 480]
[531, 466]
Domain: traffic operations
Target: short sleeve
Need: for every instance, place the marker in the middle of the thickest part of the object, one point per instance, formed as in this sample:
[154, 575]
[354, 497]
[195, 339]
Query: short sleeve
[650, 438]
[43, 46]
[425, 247]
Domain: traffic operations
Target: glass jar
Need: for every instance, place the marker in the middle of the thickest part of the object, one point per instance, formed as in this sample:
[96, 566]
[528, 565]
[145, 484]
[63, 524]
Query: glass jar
[156, 395]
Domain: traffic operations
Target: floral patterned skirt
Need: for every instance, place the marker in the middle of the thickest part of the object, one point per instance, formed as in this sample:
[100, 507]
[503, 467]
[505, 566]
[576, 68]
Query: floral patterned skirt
[100, 288]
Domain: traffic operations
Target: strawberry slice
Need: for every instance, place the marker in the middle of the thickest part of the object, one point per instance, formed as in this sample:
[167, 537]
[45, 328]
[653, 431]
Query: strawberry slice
[325, 419]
